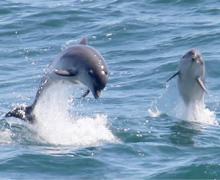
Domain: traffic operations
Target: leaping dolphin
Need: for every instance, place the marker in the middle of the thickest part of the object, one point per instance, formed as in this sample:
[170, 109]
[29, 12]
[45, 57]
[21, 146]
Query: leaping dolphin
[78, 64]
[191, 77]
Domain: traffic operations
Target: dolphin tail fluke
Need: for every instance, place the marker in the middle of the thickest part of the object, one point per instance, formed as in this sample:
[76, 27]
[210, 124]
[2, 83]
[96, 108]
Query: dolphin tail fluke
[21, 112]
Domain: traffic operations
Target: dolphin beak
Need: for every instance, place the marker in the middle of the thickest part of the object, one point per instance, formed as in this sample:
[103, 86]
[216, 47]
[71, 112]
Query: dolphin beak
[197, 59]
[200, 61]
[97, 94]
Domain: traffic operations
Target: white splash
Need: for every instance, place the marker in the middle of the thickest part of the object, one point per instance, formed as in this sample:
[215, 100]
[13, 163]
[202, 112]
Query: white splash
[5, 137]
[56, 126]
[172, 104]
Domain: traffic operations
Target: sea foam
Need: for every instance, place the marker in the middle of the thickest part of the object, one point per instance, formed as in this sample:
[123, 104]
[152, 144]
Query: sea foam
[171, 103]
[56, 125]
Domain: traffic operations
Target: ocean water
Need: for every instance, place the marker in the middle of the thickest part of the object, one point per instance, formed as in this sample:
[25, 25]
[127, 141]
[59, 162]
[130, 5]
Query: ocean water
[135, 130]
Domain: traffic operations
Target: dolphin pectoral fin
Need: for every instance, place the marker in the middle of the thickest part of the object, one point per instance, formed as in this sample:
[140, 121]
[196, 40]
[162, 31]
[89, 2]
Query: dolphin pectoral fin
[201, 84]
[66, 72]
[86, 93]
[84, 41]
[177, 73]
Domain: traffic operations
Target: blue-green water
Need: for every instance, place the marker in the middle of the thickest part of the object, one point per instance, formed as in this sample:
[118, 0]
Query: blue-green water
[114, 137]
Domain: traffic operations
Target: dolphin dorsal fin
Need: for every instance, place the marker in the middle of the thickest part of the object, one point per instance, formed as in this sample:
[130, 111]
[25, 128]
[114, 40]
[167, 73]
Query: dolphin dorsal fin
[84, 41]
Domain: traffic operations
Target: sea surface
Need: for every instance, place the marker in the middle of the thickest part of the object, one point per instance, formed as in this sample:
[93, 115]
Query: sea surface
[131, 132]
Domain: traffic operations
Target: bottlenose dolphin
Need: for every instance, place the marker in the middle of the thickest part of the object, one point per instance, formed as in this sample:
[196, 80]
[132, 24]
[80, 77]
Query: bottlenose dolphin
[78, 64]
[191, 77]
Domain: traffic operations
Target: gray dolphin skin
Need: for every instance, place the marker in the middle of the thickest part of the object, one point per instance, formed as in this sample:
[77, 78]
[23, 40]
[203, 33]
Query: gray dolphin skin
[191, 77]
[78, 64]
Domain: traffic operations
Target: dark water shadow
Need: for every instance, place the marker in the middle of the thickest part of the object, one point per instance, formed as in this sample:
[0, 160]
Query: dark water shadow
[183, 133]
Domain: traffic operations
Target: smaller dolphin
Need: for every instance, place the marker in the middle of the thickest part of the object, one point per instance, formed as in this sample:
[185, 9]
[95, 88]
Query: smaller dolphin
[78, 64]
[191, 77]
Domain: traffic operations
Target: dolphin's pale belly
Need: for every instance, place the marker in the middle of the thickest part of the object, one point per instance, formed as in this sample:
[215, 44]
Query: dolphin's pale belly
[190, 90]
[52, 99]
